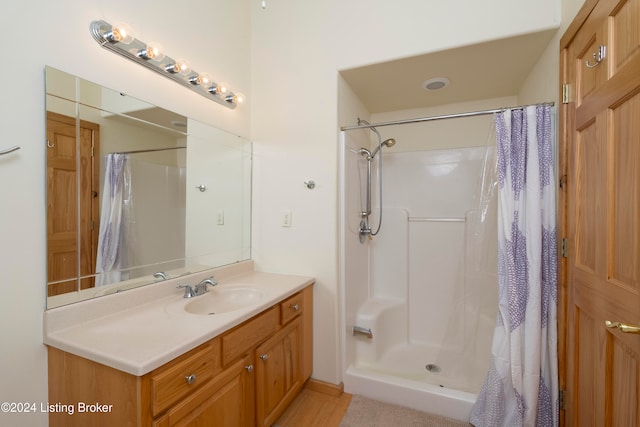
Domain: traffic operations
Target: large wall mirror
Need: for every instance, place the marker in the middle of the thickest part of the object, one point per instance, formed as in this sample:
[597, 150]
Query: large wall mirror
[135, 193]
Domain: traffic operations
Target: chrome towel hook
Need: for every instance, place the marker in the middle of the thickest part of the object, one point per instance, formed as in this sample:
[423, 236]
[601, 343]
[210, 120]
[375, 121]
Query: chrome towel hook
[598, 57]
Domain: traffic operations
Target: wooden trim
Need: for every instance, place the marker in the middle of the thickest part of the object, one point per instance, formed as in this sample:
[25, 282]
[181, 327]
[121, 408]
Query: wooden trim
[577, 22]
[307, 332]
[335, 390]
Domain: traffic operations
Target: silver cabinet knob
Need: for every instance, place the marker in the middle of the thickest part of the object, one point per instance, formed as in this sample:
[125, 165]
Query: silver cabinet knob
[264, 356]
[295, 307]
[191, 378]
[249, 368]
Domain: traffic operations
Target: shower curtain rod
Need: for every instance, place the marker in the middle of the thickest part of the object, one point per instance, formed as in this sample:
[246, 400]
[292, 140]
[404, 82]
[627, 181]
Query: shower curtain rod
[147, 151]
[445, 116]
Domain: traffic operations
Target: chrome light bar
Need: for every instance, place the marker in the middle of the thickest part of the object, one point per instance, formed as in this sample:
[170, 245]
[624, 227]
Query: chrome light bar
[117, 39]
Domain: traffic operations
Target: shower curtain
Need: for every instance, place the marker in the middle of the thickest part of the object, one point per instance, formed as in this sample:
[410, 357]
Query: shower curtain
[521, 387]
[115, 212]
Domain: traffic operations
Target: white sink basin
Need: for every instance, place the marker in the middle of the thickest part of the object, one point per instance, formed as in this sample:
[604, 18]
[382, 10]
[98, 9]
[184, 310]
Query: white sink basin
[223, 300]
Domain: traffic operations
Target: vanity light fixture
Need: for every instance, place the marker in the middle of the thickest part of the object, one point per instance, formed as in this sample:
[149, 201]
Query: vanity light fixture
[118, 38]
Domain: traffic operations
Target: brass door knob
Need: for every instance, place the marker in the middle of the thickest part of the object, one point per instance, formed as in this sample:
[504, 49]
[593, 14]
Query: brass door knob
[627, 329]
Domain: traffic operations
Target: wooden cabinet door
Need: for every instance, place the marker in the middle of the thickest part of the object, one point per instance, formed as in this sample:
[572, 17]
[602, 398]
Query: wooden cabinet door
[601, 132]
[226, 401]
[278, 373]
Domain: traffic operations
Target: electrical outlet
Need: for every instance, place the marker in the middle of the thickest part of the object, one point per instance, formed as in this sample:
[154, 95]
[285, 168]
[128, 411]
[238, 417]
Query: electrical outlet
[220, 217]
[286, 219]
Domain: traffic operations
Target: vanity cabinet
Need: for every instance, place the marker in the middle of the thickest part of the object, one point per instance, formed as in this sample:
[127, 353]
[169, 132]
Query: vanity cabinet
[246, 376]
[278, 374]
[228, 400]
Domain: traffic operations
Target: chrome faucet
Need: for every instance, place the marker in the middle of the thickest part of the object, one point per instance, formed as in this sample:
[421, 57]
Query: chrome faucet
[161, 275]
[199, 289]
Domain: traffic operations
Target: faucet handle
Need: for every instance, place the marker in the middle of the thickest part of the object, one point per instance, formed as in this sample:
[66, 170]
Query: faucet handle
[188, 291]
[202, 286]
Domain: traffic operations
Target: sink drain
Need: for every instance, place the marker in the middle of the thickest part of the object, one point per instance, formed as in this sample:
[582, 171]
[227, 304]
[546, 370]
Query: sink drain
[431, 367]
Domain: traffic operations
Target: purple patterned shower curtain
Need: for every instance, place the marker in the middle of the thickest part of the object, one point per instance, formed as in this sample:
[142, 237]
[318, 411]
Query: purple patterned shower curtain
[111, 255]
[521, 387]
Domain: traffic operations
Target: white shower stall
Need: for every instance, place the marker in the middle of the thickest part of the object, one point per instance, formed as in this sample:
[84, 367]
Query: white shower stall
[422, 293]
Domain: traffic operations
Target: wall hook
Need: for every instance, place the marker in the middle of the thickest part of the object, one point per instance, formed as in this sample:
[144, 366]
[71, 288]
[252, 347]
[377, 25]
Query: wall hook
[310, 184]
[201, 187]
[598, 57]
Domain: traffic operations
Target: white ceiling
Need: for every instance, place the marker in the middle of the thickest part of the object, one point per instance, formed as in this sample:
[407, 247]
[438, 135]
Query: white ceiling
[482, 71]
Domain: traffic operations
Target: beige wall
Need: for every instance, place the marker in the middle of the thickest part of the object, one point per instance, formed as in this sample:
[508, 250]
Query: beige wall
[301, 47]
[212, 34]
[543, 81]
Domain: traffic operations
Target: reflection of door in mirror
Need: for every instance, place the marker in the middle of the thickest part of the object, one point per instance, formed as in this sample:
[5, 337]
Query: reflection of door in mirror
[65, 171]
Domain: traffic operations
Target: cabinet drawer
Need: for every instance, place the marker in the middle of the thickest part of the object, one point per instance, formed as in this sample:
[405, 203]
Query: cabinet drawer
[227, 400]
[243, 338]
[291, 307]
[186, 374]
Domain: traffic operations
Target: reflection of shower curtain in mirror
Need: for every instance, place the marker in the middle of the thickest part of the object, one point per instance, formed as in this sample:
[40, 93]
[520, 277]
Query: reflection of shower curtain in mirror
[115, 212]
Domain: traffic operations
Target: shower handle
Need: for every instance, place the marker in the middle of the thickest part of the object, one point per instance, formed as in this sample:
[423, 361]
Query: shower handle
[365, 231]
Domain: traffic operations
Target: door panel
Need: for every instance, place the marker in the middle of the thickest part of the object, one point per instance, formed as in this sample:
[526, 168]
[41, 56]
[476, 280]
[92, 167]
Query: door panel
[624, 257]
[587, 390]
[72, 227]
[601, 132]
[588, 160]
[625, 32]
[62, 214]
[622, 394]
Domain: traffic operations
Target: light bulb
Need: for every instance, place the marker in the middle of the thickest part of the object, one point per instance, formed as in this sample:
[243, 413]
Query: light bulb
[152, 51]
[180, 66]
[119, 33]
[201, 79]
[218, 89]
[237, 98]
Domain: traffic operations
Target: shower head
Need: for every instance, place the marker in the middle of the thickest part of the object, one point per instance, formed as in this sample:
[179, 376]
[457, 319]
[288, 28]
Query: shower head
[387, 143]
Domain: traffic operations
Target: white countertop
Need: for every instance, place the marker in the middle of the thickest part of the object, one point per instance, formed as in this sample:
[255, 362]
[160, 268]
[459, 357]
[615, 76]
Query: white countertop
[141, 329]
